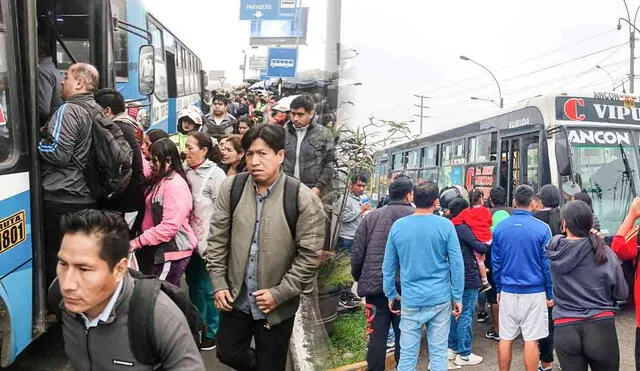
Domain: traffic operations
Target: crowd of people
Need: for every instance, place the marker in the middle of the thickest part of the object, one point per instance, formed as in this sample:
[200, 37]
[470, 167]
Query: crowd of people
[549, 273]
[234, 206]
[207, 204]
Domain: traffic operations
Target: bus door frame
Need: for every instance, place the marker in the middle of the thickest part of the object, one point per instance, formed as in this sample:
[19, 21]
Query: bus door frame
[520, 138]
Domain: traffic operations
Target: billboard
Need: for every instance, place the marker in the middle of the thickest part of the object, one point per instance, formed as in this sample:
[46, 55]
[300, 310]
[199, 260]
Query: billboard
[280, 32]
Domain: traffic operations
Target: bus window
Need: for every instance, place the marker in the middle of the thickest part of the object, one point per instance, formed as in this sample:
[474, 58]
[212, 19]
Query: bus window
[428, 175]
[73, 25]
[10, 131]
[471, 150]
[458, 152]
[533, 163]
[413, 160]
[482, 148]
[429, 156]
[397, 163]
[119, 10]
[180, 70]
[160, 88]
[445, 154]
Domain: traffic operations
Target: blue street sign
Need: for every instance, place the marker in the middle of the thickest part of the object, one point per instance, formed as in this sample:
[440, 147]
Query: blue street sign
[282, 62]
[267, 9]
[263, 75]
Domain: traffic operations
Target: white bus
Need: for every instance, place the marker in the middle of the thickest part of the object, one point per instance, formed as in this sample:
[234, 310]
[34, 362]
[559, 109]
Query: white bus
[577, 142]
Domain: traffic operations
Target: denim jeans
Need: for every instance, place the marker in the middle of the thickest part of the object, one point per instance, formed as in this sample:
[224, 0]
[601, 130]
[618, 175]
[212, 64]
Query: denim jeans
[437, 318]
[460, 332]
[344, 245]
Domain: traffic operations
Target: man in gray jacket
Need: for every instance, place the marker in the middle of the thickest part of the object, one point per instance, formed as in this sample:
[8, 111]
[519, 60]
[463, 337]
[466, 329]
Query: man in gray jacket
[258, 266]
[96, 292]
[65, 150]
[309, 150]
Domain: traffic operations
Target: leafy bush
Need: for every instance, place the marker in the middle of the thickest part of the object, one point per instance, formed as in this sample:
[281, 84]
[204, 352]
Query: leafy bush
[335, 270]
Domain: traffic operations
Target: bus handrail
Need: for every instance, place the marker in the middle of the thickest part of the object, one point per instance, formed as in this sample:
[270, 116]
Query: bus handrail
[128, 27]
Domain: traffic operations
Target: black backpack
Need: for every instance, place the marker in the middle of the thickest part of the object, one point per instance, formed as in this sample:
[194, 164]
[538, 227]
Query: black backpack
[109, 168]
[289, 200]
[141, 328]
[140, 321]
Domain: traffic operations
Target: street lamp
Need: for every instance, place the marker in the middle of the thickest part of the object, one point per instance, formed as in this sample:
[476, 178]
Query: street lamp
[486, 100]
[501, 104]
[632, 31]
[613, 82]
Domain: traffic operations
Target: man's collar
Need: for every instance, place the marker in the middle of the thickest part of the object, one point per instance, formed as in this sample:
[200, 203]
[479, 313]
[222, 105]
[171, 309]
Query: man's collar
[106, 312]
[269, 189]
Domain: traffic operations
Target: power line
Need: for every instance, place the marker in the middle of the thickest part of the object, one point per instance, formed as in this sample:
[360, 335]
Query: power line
[526, 60]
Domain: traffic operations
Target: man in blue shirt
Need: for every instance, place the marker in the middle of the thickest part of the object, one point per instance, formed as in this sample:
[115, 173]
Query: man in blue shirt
[426, 249]
[523, 280]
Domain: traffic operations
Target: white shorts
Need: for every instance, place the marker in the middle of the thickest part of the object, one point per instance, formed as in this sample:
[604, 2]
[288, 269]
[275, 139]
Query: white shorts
[523, 313]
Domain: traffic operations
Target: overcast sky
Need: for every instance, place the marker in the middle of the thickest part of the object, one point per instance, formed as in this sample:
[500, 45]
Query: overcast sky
[413, 46]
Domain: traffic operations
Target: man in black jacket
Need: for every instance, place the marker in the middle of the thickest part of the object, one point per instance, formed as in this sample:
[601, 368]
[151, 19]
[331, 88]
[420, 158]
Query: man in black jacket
[367, 255]
[131, 201]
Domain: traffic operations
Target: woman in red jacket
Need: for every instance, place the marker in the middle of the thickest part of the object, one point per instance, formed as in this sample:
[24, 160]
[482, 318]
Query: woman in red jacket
[625, 245]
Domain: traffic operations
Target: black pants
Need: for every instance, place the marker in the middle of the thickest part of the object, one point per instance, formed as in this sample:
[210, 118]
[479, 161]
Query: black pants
[546, 344]
[637, 347]
[234, 339]
[590, 344]
[53, 212]
[379, 318]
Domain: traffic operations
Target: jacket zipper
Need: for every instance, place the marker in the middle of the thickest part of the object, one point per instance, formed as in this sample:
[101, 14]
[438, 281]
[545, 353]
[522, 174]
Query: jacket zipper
[89, 349]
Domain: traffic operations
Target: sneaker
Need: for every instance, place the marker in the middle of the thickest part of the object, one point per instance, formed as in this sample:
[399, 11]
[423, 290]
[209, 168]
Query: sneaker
[348, 303]
[471, 359]
[483, 317]
[208, 344]
[450, 366]
[493, 335]
[485, 287]
[540, 368]
[451, 355]
[391, 345]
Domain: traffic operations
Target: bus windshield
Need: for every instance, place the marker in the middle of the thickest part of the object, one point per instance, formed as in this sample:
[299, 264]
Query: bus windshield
[608, 172]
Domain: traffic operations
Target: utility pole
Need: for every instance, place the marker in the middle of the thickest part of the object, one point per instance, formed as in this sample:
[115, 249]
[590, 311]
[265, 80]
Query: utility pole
[422, 107]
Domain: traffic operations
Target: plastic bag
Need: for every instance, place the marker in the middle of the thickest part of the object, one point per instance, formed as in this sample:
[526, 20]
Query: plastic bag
[133, 261]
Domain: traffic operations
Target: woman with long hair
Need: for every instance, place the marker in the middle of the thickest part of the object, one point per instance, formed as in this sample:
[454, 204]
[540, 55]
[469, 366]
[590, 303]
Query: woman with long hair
[205, 178]
[232, 155]
[148, 139]
[167, 240]
[587, 281]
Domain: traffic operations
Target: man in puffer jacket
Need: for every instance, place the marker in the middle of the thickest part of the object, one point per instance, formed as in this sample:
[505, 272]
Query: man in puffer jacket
[367, 255]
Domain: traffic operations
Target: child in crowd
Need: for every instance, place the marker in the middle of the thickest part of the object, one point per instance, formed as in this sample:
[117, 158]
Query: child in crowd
[478, 218]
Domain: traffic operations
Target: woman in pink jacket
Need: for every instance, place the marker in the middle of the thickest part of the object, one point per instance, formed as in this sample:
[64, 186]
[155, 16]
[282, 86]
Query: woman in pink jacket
[167, 240]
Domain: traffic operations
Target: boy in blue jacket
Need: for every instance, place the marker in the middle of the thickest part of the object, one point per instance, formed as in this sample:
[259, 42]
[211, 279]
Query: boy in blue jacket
[523, 280]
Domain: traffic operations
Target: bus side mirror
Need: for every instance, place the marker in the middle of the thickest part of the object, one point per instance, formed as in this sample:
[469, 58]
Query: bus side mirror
[563, 155]
[146, 70]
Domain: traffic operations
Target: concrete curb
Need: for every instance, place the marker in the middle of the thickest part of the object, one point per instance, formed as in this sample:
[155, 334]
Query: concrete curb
[390, 363]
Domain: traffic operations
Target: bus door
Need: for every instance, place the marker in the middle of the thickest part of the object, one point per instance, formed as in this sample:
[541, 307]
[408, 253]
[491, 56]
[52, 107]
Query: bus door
[520, 159]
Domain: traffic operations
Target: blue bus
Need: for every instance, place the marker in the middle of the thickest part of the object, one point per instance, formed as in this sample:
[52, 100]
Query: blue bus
[178, 71]
[71, 31]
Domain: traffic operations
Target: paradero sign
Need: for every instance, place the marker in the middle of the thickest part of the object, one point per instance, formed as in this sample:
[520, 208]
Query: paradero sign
[606, 108]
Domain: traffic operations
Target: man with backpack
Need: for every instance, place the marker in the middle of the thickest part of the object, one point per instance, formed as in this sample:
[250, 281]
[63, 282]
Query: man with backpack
[131, 200]
[263, 251]
[85, 157]
[109, 319]
[65, 151]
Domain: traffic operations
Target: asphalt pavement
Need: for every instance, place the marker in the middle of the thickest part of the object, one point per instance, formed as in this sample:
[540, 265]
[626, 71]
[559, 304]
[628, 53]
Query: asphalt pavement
[47, 352]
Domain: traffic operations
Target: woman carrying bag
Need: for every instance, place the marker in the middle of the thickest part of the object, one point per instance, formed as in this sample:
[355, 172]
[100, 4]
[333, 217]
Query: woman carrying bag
[167, 240]
[205, 178]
